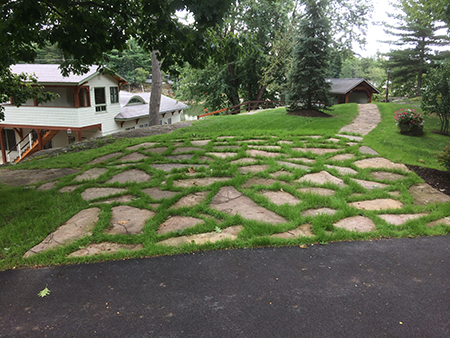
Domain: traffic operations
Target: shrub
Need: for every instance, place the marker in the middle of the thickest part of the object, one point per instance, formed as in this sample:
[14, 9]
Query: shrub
[409, 122]
[443, 158]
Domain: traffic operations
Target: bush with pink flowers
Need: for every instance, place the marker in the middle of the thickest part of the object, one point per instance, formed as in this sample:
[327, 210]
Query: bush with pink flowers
[409, 122]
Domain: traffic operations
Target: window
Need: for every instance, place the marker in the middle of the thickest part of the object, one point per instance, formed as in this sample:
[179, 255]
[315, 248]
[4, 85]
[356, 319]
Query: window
[169, 120]
[114, 93]
[100, 99]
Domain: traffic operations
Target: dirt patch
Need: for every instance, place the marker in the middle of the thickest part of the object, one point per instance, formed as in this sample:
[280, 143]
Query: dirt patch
[438, 179]
[309, 113]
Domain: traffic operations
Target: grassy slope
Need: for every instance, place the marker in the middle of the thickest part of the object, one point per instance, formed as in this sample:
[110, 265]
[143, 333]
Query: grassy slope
[28, 216]
[387, 140]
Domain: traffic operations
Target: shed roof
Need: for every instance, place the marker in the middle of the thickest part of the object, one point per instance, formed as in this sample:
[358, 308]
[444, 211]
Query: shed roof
[343, 86]
[133, 111]
[48, 74]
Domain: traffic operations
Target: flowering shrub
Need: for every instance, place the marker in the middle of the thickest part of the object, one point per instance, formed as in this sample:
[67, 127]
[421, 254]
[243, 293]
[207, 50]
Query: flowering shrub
[409, 121]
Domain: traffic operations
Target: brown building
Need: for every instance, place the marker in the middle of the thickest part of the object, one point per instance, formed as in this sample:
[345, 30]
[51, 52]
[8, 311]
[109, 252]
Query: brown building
[352, 90]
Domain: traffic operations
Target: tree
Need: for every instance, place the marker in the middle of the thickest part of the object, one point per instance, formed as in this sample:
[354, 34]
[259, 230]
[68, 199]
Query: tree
[436, 95]
[307, 80]
[417, 33]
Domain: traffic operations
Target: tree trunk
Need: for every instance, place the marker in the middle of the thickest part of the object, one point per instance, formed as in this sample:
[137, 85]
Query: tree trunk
[155, 98]
[234, 95]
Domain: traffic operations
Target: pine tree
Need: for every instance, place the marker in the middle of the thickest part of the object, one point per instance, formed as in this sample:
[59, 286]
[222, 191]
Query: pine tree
[307, 84]
[416, 33]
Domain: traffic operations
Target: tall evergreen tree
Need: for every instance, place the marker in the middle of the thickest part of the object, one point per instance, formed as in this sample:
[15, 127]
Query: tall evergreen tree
[416, 33]
[307, 85]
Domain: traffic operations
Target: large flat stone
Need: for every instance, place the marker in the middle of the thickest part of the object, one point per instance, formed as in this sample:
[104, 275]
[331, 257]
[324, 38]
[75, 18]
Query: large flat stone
[232, 202]
[168, 167]
[221, 154]
[75, 228]
[177, 223]
[302, 230]
[351, 137]
[105, 248]
[369, 184]
[230, 233]
[142, 145]
[198, 182]
[258, 181]
[244, 160]
[342, 157]
[263, 147]
[321, 178]
[190, 200]
[319, 211]
[386, 176]
[377, 204]
[294, 165]
[23, 177]
[261, 153]
[281, 197]
[47, 186]
[317, 191]
[126, 220]
[342, 170]
[105, 158]
[158, 194]
[254, 168]
[356, 223]
[157, 150]
[90, 174]
[379, 162]
[367, 150]
[93, 193]
[424, 194]
[200, 142]
[443, 221]
[133, 175]
[400, 218]
[133, 157]
[304, 160]
[120, 199]
[185, 150]
[318, 151]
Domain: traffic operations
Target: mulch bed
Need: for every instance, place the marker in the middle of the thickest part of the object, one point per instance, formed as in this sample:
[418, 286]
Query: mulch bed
[309, 113]
[438, 179]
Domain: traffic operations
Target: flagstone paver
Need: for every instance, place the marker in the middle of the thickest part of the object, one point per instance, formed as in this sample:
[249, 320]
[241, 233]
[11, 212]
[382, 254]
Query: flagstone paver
[200, 142]
[90, 174]
[180, 157]
[351, 137]
[281, 173]
[199, 182]
[133, 175]
[318, 151]
[226, 147]
[254, 168]
[221, 154]
[369, 184]
[281, 197]
[424, 194]
[186, 150]
[253, 140]
[258, 181]
[263, 147]
[400, 218]
[120, 199]
[128, 220]
[367, 150]
[93, 193]
[315, 212]
[75, 228]
[317, 191]
[177, 223]
[105, 158]
[356, 223]
[190, 200]
[262, 153]
[320, 178]
[302, 230]
[386, 176]
[342, 157]
[377, 204]
[342, 170]
[444, 221]
[105, 248]
[285, 142]
[158, 194]
[157, 150]
[48, 186]
[142, 145]
[133, 157]
[244, 160]
[167, 167]
[230, 233]
[294, 165]
[379, 162]
[24, 177]
[367, 119]
[69, 188]
[232, 202]
[224, 137]
[303, 159]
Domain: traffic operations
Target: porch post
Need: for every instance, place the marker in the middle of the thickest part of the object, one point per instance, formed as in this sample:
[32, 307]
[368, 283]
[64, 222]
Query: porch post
[40, 146]
[2, 144]
[79, 134]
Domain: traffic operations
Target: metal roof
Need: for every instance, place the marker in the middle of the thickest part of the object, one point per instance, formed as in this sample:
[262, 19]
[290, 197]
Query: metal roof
[47, 74]
[343, 86]
[134, 111]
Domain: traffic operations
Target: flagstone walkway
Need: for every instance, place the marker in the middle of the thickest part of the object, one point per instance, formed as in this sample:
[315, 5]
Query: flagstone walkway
[181, 191]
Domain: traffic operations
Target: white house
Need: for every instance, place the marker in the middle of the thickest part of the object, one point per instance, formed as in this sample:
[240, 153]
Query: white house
[88, 105]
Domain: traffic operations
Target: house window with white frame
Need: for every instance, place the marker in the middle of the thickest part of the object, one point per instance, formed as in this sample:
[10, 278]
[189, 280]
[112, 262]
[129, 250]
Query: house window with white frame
[100, 99]
[114, 94]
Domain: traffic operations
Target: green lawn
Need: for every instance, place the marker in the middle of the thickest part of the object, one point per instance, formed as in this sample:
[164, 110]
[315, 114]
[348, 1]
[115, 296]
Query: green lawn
[27, 215]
